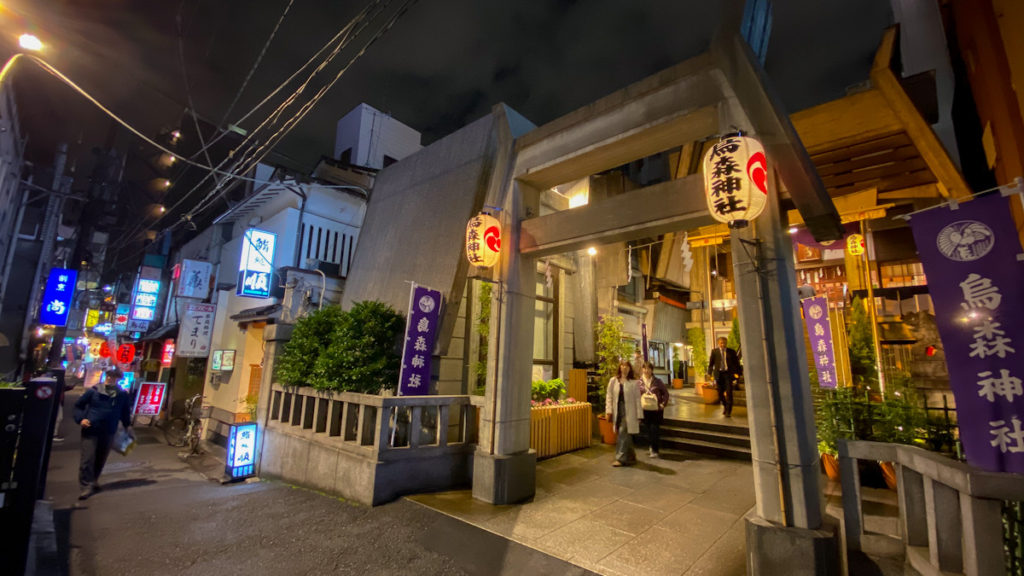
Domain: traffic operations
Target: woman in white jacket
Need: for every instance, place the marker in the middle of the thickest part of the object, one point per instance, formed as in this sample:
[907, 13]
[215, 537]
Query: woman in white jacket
[622, 407]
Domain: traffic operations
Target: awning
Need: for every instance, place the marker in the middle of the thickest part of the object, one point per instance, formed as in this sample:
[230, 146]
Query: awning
[166, 331]
[259, 314]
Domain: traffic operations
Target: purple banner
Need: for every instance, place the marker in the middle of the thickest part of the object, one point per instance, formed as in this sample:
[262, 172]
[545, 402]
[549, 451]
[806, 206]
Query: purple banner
[819, 330]
[420, 332]
[975, 279]
[803, 236]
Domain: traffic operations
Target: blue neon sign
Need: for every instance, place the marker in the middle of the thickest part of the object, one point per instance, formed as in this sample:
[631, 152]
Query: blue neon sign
[241, 460]
[256, 266]
[60, 288]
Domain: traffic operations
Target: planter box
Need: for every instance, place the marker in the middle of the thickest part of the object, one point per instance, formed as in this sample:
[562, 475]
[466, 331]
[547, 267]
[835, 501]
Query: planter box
[559, 429]
[708, 392]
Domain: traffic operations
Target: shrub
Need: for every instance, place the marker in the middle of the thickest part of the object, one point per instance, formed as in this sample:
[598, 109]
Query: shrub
[610, 349]
[550, 390]
[863, 364]
[363, 355]
[311, 336]
[699, 353]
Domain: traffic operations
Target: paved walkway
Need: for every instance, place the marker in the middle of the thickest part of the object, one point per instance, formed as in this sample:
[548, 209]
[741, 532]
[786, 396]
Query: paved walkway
[686, 404]
[158, 515]
[681, 514]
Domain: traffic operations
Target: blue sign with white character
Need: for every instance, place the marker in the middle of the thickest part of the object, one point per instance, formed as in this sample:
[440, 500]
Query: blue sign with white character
[241, 460]
[60, 288]
[256, 266]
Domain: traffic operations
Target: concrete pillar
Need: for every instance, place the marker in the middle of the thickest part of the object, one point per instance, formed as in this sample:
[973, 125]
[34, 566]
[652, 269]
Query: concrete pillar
[504, 467]
[786, 478]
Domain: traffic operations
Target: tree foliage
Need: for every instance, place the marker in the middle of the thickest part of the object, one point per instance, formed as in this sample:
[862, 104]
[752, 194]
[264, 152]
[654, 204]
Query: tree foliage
[311, 336]
[699, 352]
[863, 363]
[363, 355]
[610, 347]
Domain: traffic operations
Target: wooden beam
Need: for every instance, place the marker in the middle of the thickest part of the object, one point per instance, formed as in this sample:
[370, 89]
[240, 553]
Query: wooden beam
[667, 207]
[922, 191]
[846, 121]
[951, 182]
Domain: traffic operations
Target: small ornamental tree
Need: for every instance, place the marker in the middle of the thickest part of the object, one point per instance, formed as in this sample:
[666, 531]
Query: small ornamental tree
[699, 352]
[863, 364]
[311, 336]
[364, 353]
[734, 335]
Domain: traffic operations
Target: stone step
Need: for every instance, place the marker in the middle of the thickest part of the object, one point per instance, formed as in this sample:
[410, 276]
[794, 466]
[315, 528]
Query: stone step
[704, 447]
[706, 424]
[741, 440]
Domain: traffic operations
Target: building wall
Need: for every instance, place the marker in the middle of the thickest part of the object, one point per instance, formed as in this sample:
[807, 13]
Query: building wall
[371, 135]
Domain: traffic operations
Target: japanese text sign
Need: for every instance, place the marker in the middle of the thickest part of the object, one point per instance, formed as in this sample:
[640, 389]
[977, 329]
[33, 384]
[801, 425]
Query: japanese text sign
[483, 240]
[970, 257]
[150, 398]
[60, 287]
[195, 331]
[736, 180]
[256, 265]
[241, 460]
[121, 317]
[125, 353]
[144, 300]
[194, 279]
[167, 354]
[819, 330]
[420, 331]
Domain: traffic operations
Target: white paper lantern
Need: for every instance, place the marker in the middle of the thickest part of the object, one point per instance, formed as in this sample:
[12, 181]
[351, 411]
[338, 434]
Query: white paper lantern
[736, 180]
[483, 240]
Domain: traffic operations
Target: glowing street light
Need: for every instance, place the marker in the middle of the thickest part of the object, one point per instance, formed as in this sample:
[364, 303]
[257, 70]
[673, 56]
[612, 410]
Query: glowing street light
[30, 42]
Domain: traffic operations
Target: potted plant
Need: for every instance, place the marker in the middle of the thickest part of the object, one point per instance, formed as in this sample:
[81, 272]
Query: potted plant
[699, 359]
[610, 349]
[677, 369]
[899, 421]
[833, 414]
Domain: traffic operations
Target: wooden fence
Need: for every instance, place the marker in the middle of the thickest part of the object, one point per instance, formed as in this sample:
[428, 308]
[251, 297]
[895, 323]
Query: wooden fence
[559, 429]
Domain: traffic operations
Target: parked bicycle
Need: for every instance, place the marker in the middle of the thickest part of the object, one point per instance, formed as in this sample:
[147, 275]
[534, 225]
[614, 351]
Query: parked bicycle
[185, 430]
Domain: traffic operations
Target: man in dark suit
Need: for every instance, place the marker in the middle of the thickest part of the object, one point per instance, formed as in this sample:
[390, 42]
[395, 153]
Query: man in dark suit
[724, 367]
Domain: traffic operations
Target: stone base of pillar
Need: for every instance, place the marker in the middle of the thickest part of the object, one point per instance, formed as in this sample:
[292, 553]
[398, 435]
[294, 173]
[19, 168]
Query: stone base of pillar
[504, 479]
[774, 549]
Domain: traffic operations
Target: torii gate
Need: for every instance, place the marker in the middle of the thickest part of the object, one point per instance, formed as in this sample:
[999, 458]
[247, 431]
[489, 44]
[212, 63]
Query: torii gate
[697, 99]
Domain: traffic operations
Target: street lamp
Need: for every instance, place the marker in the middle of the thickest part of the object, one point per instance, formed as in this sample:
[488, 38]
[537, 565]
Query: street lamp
[30, 42]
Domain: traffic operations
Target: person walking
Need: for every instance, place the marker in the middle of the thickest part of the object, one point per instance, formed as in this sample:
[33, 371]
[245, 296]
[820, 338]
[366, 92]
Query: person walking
[724, 367]
[651, 384]
[98, 411]
[622, 406]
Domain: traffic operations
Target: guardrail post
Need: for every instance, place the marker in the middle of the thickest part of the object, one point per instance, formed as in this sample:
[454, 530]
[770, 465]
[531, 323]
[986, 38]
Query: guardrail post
[945, 548]
[913, 514]
[414, 426]
[442, 424]
[983, 536]
[849, 477]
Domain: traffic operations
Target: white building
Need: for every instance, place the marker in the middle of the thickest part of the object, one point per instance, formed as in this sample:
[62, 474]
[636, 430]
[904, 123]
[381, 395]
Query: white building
[369, 138]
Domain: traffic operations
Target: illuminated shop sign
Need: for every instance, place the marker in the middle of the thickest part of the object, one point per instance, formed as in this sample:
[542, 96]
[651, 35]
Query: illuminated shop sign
[60, 287]
[256, 265]
[146, 291]
[241, 460]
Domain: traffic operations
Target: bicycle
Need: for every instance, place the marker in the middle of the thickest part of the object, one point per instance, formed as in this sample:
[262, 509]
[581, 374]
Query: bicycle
[185, 430]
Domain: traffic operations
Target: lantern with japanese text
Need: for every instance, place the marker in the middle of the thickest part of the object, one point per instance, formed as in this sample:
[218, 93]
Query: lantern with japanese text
[104, 350]
[855, 244]
[483, 240]
[125, 353]
[736, 180]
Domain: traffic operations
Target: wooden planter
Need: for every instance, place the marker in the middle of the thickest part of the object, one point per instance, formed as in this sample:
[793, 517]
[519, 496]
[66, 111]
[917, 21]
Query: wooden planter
[607, 429]
[559, 429]
[708, 392]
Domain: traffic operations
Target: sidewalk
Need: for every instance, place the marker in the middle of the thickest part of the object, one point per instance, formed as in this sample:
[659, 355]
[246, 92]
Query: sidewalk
[158, 515]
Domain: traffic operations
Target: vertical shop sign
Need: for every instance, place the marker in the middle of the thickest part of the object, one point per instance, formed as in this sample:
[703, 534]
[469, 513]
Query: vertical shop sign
[149, 399]
[256, 266]
[60, 287]
[970, 256]
[241, 460]
[194, 279]
[196, 331]
[121, 317]
[819, 330]
[420, 331]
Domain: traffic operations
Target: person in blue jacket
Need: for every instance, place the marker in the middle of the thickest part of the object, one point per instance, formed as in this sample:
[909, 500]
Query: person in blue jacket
[98, 411]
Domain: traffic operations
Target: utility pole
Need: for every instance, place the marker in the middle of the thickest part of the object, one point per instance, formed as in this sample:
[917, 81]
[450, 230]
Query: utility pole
[51, 220]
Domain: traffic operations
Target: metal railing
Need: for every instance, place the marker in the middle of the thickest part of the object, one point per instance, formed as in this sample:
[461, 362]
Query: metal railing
[951, 514]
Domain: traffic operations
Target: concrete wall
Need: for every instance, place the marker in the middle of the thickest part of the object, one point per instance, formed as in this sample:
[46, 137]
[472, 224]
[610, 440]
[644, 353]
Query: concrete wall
[372, 135]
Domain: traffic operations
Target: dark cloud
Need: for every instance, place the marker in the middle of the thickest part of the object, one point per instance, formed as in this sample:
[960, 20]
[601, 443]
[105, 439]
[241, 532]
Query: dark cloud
[444, 64]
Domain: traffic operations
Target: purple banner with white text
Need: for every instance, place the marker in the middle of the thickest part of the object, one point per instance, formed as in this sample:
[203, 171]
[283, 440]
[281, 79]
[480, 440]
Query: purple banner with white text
[819, 330]
[420, 332]
[974, 276]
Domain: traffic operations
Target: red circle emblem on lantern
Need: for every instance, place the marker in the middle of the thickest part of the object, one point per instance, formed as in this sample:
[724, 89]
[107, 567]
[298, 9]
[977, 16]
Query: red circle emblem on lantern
[126, 353]
[104, 350]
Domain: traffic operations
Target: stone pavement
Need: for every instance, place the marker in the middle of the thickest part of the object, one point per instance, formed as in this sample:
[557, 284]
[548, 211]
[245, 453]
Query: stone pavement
[681, 514]
[158, 515]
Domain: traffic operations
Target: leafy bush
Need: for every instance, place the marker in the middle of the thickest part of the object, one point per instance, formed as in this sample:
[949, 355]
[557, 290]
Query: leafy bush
[610, 349]
[733, 340]
[863, 364]
[699, 354]
[363, 355]
[483, 332]
[311, 336]
[550, 390]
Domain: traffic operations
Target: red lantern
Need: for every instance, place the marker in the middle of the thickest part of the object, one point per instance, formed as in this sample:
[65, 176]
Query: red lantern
[126, 353]
[929, 351]
[104, 350]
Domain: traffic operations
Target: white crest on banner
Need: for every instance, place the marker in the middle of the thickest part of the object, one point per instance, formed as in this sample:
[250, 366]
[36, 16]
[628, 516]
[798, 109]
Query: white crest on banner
[965, 241]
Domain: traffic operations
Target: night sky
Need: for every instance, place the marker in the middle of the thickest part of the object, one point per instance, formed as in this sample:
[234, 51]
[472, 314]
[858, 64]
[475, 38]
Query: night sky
[445, 63]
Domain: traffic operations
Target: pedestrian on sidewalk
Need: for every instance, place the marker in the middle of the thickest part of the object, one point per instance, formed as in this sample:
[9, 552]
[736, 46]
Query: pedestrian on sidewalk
[651, 384]
[622, 405]
[724, 367]
[98, 411]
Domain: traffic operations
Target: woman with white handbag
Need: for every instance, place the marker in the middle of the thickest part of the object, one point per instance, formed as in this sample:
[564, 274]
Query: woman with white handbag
[622, 406]
[653, 400]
